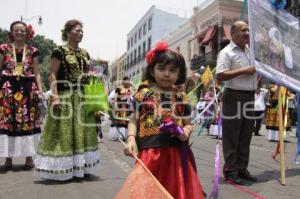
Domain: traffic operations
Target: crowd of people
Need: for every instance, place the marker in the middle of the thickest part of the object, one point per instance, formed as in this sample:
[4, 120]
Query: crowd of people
[154, 120]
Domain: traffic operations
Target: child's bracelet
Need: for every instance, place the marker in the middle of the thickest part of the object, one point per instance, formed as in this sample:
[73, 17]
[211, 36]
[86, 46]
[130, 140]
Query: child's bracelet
[130, 135]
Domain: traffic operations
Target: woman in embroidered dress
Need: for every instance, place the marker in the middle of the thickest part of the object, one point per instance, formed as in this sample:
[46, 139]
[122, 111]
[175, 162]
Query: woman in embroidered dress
[121, 108]
[159, 132]
[272, 118]
[20, 92]
[68, 146]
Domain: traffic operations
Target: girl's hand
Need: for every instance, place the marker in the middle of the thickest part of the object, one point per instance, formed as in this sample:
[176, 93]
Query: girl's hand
[187, 132]
[184, 137]
[131, 147]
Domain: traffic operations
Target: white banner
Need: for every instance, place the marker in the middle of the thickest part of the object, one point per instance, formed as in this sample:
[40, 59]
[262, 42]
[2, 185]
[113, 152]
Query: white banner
[274, 43]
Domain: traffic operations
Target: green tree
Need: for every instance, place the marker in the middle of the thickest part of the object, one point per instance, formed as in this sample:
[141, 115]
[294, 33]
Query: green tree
[45, 47]
[3, 36]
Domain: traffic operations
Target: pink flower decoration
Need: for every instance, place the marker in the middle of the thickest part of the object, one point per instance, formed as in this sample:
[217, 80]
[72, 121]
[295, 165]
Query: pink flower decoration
[149, 104]
[8, 91]
[3, 46]
[7, 58]
[11, 65]
[167, 120]
[33, 87]
[25, 111]
[6, 85]
[37, 123]
[180, 108]
[25, 118]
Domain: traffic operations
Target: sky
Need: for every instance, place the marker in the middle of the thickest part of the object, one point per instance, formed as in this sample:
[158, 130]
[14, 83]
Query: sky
[106, 22]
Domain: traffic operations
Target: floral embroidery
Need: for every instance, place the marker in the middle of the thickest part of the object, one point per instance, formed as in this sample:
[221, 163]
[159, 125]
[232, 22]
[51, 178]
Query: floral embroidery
[152, 112]
[18, 96]
[9, 64]
[75, 62]
[149, 121]
[149, 104]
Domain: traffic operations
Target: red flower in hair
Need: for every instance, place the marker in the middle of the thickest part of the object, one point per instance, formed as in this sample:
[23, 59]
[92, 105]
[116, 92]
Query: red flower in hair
[160, 47]
[30, 32]
[150, 56]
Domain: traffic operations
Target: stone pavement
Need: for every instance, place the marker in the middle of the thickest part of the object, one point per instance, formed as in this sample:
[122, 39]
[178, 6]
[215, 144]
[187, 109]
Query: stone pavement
[20, 184]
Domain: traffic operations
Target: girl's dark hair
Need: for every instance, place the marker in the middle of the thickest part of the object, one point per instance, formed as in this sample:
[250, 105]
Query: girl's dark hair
[10, 34]
[68, 27]
[165, 58]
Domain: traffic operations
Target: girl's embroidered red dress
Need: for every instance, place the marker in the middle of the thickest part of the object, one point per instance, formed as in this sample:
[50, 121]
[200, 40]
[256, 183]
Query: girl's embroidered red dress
[170, 160]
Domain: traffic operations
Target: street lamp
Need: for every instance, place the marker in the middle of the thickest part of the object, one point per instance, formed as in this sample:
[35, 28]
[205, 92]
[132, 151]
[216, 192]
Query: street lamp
[40, 20]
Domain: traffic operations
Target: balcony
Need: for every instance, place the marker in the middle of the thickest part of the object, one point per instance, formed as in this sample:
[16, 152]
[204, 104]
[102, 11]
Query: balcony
[209, 59]
[197, 61]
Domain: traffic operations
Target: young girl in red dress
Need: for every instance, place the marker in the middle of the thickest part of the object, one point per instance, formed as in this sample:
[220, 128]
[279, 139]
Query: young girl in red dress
[159, 130]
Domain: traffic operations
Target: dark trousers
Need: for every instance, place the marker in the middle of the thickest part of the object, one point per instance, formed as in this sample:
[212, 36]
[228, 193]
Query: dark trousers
[98, 126]
[259, 116]
[237, 127]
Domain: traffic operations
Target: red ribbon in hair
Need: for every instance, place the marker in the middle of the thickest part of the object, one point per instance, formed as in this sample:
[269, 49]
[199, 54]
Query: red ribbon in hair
[160, 47]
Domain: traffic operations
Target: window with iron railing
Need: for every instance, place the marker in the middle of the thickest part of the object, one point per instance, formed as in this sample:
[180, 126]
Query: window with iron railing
[144, 49]
[134, 62]
[150, 24]
[140, 33]
[144, 28]
[139, 53]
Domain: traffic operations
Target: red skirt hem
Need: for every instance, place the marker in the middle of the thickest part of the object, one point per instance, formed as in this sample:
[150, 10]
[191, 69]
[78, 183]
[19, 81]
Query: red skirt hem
[175, 169]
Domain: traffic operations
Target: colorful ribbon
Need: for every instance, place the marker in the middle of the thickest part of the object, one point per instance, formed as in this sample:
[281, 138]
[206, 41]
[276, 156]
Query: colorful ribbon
[215, 190]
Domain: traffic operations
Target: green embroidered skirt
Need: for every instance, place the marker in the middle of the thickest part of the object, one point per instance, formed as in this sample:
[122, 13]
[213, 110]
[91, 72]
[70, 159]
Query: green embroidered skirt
[68, 144]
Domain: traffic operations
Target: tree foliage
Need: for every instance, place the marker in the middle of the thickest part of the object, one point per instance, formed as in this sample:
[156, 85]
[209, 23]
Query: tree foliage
[3, 36]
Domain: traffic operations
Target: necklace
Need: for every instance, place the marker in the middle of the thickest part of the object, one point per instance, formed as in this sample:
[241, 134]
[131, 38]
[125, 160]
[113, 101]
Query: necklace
[18, 70]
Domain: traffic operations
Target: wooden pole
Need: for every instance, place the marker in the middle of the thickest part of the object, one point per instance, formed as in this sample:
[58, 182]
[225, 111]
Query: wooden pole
[281, 143]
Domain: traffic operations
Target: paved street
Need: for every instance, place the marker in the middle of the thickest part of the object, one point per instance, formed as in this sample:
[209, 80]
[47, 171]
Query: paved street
[115, 167]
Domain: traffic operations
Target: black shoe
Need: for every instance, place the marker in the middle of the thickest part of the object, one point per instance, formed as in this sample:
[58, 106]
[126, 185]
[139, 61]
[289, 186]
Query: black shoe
[86, 175]
[7, 167]
[28, 167]
[247, 176]
[257, 134]
[234, 179]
